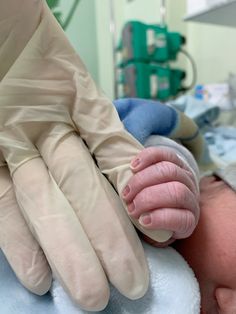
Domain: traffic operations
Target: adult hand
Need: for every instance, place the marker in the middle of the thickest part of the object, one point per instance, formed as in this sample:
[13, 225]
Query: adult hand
[58, 212]
[70, 221]
[163, 193]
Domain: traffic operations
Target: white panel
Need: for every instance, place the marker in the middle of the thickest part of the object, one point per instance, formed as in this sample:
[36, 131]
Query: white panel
[194, 6]
[221, 12]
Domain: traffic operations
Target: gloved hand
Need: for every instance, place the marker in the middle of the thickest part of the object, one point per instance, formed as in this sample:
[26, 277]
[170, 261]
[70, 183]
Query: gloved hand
[58, 212]
[81, 252]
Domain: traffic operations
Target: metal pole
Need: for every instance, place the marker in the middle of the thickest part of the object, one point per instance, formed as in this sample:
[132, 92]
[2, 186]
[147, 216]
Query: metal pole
[163, 13]
[113, 37]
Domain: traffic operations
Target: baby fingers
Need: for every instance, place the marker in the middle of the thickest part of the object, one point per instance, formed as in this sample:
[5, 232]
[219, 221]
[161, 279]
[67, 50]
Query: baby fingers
[153, 155]
[150, 206]
[171, 194]
[181, 221]
[158, 173]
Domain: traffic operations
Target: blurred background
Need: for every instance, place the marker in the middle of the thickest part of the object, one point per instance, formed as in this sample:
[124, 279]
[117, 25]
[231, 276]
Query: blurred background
[105, 31]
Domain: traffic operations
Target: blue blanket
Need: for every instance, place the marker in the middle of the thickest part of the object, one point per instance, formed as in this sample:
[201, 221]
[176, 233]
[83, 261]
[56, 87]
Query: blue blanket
[143, 118]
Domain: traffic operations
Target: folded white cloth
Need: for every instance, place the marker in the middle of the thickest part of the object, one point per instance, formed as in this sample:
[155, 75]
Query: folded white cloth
[173, 290]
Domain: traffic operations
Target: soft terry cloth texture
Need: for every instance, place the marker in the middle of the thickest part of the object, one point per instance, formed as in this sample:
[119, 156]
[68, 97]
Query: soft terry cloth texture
[173, 290]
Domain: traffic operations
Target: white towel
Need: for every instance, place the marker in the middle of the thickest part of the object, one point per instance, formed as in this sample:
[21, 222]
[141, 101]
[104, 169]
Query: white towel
[173, 289]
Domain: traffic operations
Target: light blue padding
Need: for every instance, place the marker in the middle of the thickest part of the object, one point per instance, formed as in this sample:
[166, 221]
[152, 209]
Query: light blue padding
[14, 298]
[173, 290]
[201, 112]
[142, 117]
[221, 140]
[222, 143]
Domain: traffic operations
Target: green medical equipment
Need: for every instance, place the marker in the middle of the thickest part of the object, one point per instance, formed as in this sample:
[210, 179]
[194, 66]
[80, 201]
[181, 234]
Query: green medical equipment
[147, 52]
[149, 81]
[141, 42]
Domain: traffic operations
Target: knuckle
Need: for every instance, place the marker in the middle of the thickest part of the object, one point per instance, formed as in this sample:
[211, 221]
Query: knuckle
[143, 200]
[167, 169]
[143, 197]
[151, 153]
[148, 156]
[172, 156]
[178, 191]
[167, 150]
[138, 179]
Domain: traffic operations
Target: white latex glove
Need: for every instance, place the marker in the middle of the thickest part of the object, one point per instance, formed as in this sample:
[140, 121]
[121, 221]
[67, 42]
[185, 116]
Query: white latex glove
[48, 100]
[70, 251]
[54, 189]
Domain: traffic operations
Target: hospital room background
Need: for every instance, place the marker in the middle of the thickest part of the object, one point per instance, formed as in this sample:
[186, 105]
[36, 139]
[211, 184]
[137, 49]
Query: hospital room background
[208, 65]
[208, 70]
[208, 44]
[180, 52]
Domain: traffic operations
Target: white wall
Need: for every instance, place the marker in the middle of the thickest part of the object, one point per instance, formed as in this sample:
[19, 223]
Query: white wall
[104, 47]
[213, 47]
[82, 32]
[175, 12]
[214, 50]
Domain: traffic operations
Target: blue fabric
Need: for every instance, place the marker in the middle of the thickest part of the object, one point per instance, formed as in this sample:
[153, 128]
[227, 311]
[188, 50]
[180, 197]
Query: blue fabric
[14, 298]
[221, 140]
[222, 143]
[201, 112]
[143, 117]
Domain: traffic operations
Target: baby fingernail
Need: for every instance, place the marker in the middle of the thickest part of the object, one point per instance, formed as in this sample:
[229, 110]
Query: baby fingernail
[145, 219]
[135, 163]
[131, 208]
[126, 191]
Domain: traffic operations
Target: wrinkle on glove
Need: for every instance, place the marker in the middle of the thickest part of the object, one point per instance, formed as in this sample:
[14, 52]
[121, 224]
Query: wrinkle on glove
[51, 84]
[24, 254]
[117, 236]
[16, 22]
[48, 100]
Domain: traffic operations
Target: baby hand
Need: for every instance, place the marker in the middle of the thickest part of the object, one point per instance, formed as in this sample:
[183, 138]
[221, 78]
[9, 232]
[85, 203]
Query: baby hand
[163, 193]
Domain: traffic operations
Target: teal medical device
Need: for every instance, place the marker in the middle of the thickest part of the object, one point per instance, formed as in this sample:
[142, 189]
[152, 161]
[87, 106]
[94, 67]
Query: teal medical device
[149, 81]
[146, 56]
[142, 42]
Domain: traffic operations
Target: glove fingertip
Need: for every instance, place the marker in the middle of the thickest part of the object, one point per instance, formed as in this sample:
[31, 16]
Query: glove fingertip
[40, 286]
